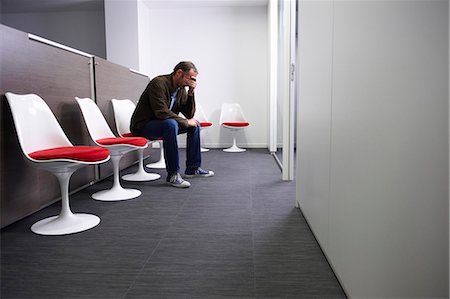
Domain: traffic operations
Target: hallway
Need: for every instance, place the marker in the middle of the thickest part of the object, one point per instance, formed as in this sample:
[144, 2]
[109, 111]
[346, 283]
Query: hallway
[236, 234]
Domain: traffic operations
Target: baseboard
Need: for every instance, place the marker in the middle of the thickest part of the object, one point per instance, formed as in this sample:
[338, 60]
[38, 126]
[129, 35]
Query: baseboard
[225, 145]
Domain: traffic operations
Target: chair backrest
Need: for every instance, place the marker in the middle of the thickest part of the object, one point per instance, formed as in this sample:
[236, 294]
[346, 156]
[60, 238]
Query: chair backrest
[123, 110]
[200, 113]
[231, 112]
[36, 126]
[95, 121]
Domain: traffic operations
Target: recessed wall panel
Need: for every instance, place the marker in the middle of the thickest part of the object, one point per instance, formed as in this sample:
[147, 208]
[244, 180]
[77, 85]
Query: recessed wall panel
[314, 111]
[57, 76]
[389, 171]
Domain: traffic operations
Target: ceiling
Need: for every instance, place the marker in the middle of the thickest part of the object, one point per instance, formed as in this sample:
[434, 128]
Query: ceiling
[203, 3]
[30, 6]
[39, 6]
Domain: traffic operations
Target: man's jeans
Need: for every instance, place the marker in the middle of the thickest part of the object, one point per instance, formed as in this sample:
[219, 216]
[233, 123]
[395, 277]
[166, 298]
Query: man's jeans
[168, 129]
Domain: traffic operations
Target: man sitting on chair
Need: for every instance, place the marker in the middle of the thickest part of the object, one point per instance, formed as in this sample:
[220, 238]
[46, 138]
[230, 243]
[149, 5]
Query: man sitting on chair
[156, 116]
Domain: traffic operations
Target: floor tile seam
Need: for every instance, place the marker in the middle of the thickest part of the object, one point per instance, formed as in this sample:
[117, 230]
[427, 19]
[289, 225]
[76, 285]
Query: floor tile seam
[253, 189]
[253, 258]
[253, 233]
[138, 274]
[157, 246]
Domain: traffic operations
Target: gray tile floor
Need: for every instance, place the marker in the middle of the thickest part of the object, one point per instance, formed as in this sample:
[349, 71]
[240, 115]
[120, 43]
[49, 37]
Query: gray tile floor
[235, 235]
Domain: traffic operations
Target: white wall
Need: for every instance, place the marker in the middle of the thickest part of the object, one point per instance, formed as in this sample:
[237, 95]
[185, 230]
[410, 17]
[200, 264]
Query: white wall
[282, 72]
[83, 30]
[229, 46]
[373, 147]
[314, 114]
[144, 42]
[121, 26]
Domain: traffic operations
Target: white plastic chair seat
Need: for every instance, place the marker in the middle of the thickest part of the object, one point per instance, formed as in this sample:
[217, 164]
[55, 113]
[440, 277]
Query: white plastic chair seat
[102, 135]
[232, 118]
[203, 121]
[46, 147]
[123, 111]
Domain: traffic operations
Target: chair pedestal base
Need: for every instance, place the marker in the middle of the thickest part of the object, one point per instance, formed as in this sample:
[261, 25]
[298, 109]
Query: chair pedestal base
[116, 193]
[202, 149]
[141, 176]
[67, 224]
[234, 148]
[161, 164]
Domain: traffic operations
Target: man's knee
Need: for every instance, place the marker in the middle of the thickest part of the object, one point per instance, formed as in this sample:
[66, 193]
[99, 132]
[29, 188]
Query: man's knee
[170, 126]
[193, 130]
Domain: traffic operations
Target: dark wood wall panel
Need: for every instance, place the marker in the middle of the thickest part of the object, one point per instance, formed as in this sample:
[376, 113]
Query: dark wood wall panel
[57, 76]
[114, 81]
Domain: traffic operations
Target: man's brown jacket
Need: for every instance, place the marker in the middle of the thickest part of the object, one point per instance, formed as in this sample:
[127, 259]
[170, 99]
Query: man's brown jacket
[155, 101]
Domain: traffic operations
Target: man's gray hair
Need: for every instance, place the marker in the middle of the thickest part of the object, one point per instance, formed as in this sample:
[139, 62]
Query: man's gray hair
[185, 66]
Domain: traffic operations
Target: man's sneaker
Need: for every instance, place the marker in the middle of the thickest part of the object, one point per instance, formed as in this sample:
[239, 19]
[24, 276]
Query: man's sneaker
[177, 181]
[198, 172]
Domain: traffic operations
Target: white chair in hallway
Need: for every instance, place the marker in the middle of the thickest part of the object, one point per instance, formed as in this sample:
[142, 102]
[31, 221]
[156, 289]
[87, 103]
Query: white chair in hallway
[46, 146]
[232, 118]
[161, 163]
[102, 135]
[203, 120]
[123, 110]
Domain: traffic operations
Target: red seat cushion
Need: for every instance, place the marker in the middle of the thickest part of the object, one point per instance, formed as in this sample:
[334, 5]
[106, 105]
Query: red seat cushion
[131, 135]
[136, 141]
[205, 124]
[236, 124]
[78, 153]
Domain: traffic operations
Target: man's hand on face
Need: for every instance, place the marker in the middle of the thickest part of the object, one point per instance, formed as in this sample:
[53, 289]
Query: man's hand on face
[192, 83]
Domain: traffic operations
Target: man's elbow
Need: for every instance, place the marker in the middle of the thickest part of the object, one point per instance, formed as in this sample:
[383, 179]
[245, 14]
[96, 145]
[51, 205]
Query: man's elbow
[160, 114]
